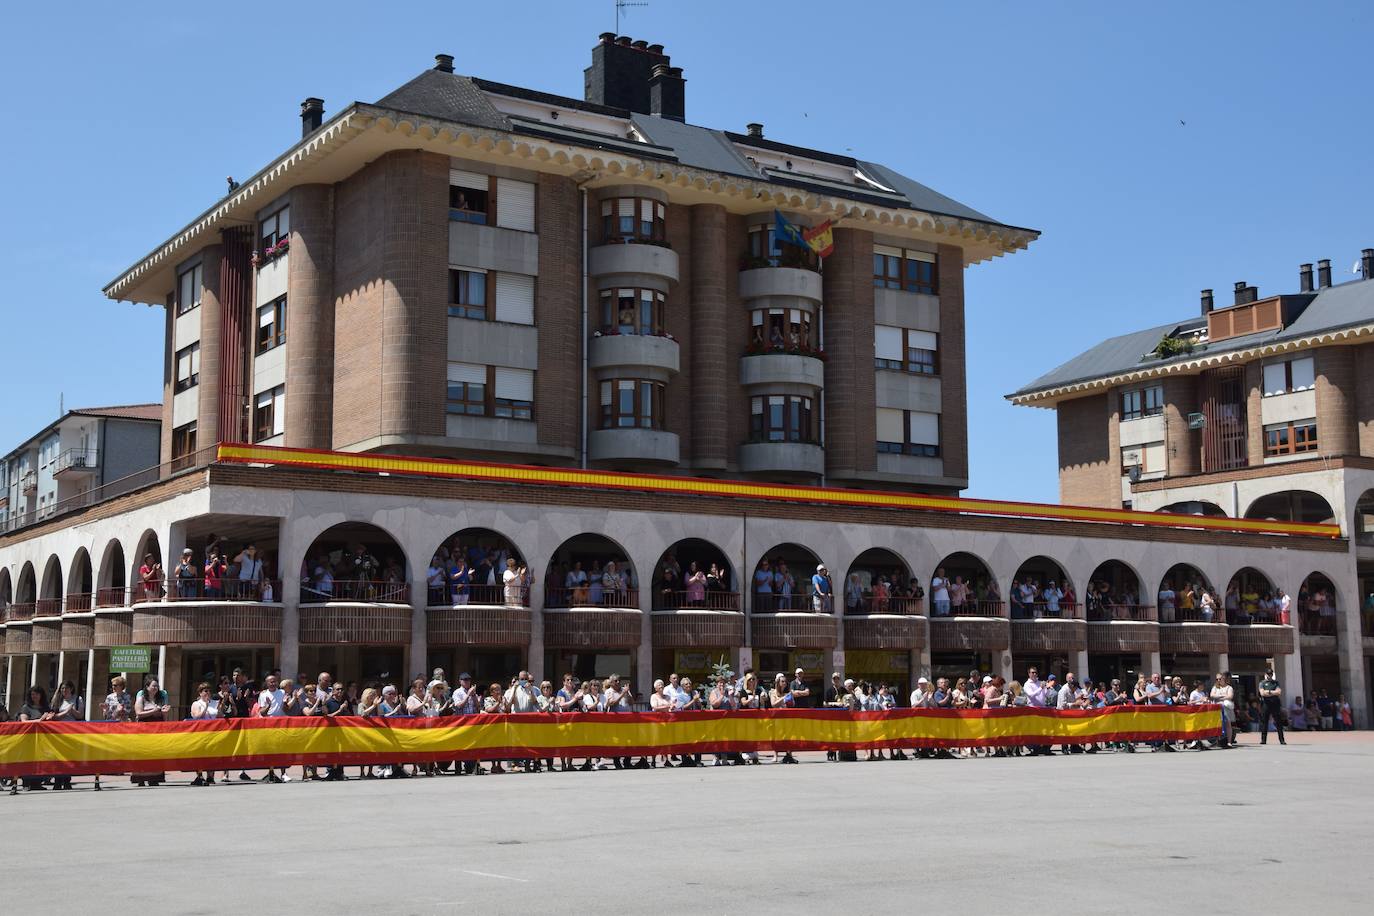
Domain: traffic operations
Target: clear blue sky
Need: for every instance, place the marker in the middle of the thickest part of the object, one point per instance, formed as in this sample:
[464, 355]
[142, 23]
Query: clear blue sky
[125, 118]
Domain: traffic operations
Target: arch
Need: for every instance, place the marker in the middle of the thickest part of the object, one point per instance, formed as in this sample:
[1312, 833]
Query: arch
[1194, 507]
[1364, 518]
[580, 574]
[50, 588]
[1042, 588]
[468, 567]
[112, 574]
[1250, 597]
[966, 587]
[357, 562]
[1317, 603]
[80, 584]
[1292, 506]
[1180, 593]
[150, 551]
[717, 590]
[26, 589]
[1114, 592]
[781, 580]
[6, 588]
[879, 581]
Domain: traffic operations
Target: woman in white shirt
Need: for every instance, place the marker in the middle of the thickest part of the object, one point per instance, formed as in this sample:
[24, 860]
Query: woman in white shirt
[1222, 692]
[514, 580]
[205, 708]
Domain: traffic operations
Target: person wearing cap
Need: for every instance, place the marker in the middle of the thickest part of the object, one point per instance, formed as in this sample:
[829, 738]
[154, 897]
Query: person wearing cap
[821, 591]
[187, 576]
[801, 694]
[922, 697]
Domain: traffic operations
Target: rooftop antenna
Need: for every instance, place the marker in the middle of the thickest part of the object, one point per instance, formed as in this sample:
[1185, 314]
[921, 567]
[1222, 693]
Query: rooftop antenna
[623, 4]
[61, 404]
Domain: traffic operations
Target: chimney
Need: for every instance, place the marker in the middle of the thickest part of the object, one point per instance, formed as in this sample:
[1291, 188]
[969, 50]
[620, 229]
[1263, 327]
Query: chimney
[754, 129]
[1305, 278]
[1206, 302]
[668, 92]
[443, 63]
[1323, 273]
[312, 116]
[1367, 264]
[624, 74]
[1245, 293]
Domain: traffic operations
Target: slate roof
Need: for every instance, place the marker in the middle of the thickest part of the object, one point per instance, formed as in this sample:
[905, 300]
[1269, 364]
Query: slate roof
[453, 97]
[1331, 309]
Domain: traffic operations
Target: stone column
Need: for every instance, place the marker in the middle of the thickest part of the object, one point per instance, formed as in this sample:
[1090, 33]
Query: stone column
[1219, 662]
[289, 652]
[419, 624]
[535, 656]
[709, 341]
[644, 658]
[1289, 670]
[310, 319]
[1080, 663]
[96, 676]
[1337, 433]
[1151, 662]
[847, 321]
[209, 395]
[953, 380]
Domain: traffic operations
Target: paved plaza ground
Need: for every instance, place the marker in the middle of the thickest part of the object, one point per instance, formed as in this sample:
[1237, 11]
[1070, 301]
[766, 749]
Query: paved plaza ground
[1252, 830]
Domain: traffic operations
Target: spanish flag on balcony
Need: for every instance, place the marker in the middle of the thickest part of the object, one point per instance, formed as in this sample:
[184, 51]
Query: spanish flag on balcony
[819, 239]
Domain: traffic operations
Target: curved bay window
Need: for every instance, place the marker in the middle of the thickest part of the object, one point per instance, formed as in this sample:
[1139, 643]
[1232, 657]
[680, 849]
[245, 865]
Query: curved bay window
[632, 404]
[765, 251]
[785, 330]
[632, 219]
[783, 418]
[632, 311]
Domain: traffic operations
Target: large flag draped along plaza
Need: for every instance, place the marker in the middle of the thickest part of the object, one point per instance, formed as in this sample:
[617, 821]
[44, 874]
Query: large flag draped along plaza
[76, 748]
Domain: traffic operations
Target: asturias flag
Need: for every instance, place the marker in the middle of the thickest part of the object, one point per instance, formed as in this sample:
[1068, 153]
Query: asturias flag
[787, 233]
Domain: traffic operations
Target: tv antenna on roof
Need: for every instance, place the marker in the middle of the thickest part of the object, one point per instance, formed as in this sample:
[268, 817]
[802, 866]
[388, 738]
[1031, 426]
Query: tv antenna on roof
[623, 4]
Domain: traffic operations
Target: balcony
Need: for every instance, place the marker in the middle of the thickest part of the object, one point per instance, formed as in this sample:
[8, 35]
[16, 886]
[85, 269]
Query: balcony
[343, 623]
[19, 612]
[794, 630]
[236, 614]
[18, 640]
[800, 459]
[1049, 634]
[76, 462]
[893, 630]
[1261, 639]
[28, 482]
[622, 264]
[633, 446]
[45, 608]
[634, 351]
[714, 621]
[780, 281]
[592, 627]
[46, 636]
[78, 634]
[449, 626]
[1122, 629]
[781, 368]
[979, 626]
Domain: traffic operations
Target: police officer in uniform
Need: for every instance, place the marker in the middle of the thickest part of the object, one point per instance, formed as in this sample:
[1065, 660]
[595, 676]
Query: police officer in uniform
[1271, 706]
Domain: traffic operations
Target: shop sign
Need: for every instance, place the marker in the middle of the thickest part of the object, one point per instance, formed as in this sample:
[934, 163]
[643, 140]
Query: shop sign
[131, 659]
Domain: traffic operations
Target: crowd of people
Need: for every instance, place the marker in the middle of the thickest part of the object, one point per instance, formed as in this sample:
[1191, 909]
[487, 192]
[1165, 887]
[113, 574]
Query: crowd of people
[242, 573]
[235, 696]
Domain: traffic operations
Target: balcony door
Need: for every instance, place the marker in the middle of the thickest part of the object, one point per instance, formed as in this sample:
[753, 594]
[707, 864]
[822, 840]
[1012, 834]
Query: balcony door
[1225, 434]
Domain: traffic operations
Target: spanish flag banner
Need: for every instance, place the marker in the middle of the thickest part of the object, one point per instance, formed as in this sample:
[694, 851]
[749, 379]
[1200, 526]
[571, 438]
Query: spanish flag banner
[821, 239]
[83, 748]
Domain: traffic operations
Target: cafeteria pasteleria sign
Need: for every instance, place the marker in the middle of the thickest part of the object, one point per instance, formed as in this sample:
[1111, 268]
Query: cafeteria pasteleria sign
[131, 659]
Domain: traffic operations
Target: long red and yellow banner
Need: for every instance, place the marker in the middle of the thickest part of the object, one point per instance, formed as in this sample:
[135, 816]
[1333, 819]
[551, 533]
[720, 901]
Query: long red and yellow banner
[76, 748]
[232, 453]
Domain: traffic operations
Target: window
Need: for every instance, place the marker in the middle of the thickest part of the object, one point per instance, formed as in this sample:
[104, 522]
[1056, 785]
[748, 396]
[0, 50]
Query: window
[269, 413]
[1289, 375]
[467, 389]
[632, 404]
[272, 324]
[905, 350]
[1292, 438]
[467, 294]
[188, 289]
[183, 446]
[469, 196]
[632, 219]
[275, 228]
[780, 329]
[490, 391]
[908, 432]
[632, 311]
[514, 393]
[765, 251]
[1142, 402]
[514, 298]
[783, 418]
[904, 269]
[1149, 458]
[188, 368]
[515, 204]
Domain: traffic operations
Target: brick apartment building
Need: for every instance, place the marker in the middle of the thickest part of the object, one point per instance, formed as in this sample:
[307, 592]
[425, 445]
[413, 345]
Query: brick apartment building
[1261, 409]
[466, 270]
